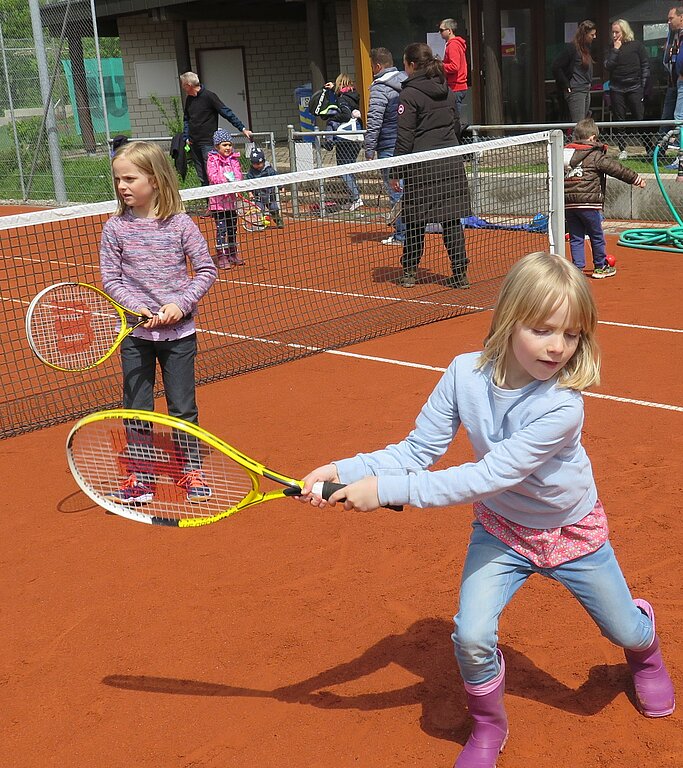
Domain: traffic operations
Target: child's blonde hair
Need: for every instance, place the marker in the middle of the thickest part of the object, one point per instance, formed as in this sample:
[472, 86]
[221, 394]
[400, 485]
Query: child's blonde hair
[531, 291]
[343, 81]
[152, 162]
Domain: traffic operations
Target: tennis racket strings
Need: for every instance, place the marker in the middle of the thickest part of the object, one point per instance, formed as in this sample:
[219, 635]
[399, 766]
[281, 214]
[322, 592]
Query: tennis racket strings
[71, 327]
[150, 471]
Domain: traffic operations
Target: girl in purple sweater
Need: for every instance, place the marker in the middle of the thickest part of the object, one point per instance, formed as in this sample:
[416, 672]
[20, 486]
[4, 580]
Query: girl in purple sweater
[144, 251]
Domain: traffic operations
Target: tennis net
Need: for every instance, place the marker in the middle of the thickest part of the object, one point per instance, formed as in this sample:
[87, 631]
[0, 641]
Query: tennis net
[316, 274]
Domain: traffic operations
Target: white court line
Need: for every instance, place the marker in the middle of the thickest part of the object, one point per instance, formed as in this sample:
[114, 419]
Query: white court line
[641, 327]
[390, 299]
[390, 361]
[438, 369]
[613, 398]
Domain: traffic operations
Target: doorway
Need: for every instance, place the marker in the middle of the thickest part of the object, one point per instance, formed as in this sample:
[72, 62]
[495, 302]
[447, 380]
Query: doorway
[522, 61]
[222, 71]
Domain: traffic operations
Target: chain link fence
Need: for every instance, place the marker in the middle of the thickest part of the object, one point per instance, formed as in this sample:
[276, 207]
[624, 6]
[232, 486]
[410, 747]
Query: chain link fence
[61, 94]
[631, 143]
[62, 98]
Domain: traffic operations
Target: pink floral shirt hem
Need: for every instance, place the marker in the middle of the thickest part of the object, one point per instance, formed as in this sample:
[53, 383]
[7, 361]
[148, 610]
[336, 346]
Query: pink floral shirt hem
[548, 548]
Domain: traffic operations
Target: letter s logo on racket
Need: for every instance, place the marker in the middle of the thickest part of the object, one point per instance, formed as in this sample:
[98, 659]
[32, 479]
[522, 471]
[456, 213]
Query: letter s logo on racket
[157, 469]
[76, 326]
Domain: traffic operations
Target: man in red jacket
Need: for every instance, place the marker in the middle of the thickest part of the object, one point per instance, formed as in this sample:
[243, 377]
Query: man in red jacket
[454, 61]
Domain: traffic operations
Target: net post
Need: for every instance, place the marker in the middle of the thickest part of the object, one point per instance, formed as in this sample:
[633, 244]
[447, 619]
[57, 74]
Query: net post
[556, 191]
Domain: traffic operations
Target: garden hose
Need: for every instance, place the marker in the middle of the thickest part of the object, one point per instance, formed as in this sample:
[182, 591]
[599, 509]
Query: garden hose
[670, 239]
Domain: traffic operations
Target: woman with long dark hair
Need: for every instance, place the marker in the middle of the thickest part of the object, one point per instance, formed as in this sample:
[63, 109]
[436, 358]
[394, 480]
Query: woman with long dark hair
[573, 71]
[435, 191]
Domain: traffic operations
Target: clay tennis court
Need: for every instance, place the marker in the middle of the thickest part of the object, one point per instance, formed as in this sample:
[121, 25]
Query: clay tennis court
[288, 636]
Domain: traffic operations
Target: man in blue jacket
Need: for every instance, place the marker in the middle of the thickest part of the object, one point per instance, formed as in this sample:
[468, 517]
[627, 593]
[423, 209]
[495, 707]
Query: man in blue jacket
[200, 121]
[382, 123]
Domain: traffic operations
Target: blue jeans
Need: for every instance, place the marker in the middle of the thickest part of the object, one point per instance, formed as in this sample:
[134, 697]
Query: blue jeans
[669, 106]
[678, 109]
[492, 574]
[176, 360]
[579, 224]
[394, 197]
[346, 153]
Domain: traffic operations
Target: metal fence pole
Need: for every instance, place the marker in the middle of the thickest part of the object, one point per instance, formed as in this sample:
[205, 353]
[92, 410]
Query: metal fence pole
[556, 192]
[96, 35]
[12, 116]
[45, 90]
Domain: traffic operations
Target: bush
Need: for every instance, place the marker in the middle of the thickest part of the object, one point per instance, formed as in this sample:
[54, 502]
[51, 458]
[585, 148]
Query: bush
[174, 120]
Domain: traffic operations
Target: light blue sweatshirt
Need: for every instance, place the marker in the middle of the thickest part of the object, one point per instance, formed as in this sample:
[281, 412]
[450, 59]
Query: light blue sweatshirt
[530, 466]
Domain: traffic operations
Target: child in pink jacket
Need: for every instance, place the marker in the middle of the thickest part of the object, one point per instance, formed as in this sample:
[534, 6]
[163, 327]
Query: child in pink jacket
[223, 164]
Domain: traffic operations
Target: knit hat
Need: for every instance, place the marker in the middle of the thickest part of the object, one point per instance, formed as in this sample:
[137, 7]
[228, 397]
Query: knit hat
[220, 136]
[257, 156]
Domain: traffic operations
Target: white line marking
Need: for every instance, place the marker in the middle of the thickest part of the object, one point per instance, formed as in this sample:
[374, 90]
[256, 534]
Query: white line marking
[391, 299]
[391, 361]
[641, 327]
[614, 398]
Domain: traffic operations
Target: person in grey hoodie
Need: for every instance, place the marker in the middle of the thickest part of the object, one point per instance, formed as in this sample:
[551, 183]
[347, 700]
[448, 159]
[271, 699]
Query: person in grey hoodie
[382, 124]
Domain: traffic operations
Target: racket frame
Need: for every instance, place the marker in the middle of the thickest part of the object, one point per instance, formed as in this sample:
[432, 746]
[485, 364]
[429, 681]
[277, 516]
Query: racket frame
[252, 217]
[395, 212]
[254, 469]
[122, 311]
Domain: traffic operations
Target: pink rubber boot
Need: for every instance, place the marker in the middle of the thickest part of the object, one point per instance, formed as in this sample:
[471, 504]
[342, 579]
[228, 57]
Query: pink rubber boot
[654, 689]
[490, 731]
[234, 257]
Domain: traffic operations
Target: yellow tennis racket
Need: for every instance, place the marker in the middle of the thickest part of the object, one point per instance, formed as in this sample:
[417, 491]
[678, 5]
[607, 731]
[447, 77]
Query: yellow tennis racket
[160, 470]
[76, 326]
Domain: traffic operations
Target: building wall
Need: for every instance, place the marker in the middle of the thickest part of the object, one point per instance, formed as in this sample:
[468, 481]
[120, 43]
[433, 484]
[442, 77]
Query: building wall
[345, 38]
[143, 39]
[276, 63]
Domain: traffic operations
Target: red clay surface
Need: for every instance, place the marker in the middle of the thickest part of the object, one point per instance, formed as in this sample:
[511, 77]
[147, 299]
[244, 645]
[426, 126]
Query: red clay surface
[288, 636]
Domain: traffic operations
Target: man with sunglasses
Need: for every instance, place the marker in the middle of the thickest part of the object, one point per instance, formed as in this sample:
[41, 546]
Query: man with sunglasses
[454, 60]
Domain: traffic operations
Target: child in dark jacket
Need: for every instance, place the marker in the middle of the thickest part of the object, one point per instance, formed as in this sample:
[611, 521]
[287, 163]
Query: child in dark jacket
[586, 167]
[346, 150]
[266, 197]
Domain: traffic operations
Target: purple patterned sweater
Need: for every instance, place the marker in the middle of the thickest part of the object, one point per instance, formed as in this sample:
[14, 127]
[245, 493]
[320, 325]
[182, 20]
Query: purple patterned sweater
[144, 264]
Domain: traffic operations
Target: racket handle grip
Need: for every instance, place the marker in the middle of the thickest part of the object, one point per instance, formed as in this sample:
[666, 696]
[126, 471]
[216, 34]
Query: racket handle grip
[326, 489]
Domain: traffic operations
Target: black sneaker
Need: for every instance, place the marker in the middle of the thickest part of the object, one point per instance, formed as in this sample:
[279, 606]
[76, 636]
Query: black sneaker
[457, 281]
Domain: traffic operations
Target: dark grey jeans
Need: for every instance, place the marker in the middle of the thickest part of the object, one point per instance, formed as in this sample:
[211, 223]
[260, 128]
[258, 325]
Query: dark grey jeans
[176, 360]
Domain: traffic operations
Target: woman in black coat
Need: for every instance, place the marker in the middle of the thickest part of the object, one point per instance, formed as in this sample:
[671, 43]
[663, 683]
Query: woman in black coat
[435, 191]
[573, 72]
[628, 66]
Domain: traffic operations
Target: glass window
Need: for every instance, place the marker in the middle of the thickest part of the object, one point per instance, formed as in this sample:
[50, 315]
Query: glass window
[397, 23]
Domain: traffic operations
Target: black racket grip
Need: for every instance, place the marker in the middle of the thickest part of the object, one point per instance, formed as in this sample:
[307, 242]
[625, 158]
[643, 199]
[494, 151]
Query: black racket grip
[326, 489]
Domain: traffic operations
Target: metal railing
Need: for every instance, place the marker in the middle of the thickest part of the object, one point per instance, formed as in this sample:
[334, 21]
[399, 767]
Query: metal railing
[632, 143]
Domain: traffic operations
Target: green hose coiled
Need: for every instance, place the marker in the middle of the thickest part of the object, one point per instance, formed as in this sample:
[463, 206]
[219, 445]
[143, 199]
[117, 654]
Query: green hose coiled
[670, 239]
